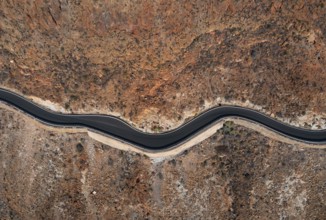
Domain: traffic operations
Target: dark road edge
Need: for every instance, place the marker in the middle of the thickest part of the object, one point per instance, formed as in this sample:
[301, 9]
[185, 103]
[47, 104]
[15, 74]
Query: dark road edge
[119, 129]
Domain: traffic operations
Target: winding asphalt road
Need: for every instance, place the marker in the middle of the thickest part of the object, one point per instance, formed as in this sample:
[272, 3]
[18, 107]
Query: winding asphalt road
[117, 128]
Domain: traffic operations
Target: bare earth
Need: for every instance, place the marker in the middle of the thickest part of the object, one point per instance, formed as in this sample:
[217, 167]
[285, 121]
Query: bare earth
[236, 173]
[156, 64]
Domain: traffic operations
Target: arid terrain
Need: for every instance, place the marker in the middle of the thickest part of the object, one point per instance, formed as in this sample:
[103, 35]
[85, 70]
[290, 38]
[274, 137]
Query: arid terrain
[156, 64]
[235, 174]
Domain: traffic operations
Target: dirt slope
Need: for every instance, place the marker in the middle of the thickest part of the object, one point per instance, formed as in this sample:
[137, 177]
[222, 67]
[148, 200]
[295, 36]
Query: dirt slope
[159, 62]
[235, 174]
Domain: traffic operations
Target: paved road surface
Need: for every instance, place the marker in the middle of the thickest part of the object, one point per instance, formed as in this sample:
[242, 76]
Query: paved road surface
[117, 128]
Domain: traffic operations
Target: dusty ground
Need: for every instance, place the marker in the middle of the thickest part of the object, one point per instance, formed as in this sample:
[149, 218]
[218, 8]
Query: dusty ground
[235, 174]
[158, 62]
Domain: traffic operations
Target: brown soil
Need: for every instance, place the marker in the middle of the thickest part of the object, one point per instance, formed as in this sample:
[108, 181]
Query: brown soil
[152, 61]
[235, 174]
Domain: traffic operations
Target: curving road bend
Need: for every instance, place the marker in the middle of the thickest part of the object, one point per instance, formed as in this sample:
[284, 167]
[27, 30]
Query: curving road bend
[119, 129]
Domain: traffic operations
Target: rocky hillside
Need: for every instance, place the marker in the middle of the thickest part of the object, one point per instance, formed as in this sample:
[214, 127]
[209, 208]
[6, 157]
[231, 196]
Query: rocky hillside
[158, 62]
[235, 174]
